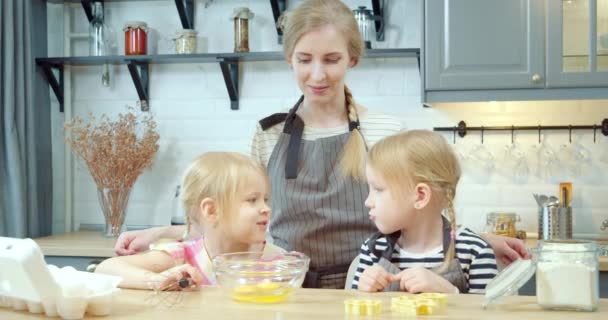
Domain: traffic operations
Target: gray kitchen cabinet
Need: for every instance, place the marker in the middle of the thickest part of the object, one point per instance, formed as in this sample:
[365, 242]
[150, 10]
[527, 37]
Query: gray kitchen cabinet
[482, 50]
[484, 44]
[577, 43]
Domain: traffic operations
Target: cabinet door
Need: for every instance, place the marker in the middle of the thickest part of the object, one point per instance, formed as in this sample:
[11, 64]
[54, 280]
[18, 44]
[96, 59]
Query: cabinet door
[484, 44]
[577, 43]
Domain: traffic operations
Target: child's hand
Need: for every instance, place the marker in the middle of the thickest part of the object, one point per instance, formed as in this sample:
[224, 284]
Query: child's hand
[169, 280]
[418, 280]
[374, 279]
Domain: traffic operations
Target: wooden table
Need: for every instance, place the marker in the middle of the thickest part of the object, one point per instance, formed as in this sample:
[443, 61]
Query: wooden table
[77, 244]
[312, 304]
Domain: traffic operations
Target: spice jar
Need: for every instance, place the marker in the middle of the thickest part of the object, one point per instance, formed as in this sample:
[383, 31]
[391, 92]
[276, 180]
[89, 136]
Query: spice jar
[567, 276]
[502, 223]
[136, 38]
[241, 17]
[185, 41]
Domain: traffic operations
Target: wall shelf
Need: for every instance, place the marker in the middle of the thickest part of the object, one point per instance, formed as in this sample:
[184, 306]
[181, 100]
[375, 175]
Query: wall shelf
[378, 6]
[185, 9]
[138, 67]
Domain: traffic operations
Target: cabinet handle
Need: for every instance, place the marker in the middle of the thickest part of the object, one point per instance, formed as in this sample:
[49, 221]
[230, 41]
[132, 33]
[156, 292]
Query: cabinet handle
[536, 78]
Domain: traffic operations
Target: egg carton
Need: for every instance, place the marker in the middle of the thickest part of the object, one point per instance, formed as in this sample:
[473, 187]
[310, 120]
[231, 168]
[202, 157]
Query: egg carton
[27, 283]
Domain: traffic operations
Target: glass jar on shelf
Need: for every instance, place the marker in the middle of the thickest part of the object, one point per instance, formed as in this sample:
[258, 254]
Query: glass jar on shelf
[241, 17]
[185, 41]
[502, 223]
[136, 38]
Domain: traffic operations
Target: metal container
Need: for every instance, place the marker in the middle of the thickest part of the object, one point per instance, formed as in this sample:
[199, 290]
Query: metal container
[365, 21]
[554, 222]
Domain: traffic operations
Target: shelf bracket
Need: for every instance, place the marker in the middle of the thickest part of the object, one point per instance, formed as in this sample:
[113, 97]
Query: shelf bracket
[56, 84]
[378, 9]
[140, 80]
[278, 7]
[185, 8]
[88, 8]
[230, 71]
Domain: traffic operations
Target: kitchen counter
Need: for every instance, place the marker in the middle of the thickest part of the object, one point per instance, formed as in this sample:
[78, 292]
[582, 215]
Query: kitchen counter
[94, 244]
[318, 304]
[77, 244]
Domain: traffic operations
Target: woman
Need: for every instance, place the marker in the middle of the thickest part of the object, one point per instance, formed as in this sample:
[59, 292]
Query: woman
[315, 153]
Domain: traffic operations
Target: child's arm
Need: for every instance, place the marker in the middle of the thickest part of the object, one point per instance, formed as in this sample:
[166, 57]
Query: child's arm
[482, 270]
[369, 276]
[146, 271]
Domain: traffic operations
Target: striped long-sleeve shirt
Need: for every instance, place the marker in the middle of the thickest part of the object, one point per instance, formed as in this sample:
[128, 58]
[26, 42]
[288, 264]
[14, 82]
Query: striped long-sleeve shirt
[476, 259]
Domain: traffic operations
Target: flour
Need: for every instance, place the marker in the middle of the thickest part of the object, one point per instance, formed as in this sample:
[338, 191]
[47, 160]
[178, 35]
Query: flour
[567, 280]
[567, 285]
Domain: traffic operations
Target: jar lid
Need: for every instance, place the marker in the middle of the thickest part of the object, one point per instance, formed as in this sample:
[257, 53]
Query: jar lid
[185, 33]
[242, 13]
[509, 280]
[136, 24]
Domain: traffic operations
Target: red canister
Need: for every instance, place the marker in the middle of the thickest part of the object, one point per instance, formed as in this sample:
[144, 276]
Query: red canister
[136, 38]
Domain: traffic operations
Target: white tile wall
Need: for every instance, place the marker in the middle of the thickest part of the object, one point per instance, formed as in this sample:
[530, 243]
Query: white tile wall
[193, 113]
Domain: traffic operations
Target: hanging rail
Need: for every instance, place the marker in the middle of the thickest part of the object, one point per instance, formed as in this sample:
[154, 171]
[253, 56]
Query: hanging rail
[462, 128]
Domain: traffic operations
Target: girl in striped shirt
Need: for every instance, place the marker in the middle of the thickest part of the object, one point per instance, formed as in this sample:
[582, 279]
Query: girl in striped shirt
[412, 178]
[225, 195]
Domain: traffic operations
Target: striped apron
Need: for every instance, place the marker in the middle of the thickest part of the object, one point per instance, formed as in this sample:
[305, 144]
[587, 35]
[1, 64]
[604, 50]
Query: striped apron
[315, 209]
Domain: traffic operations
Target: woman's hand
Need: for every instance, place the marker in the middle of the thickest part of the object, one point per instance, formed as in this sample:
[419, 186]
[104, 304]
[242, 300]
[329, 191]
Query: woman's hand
[374, 279]
[416, 280]
[182, 277]
[507, 249]
[132, 242]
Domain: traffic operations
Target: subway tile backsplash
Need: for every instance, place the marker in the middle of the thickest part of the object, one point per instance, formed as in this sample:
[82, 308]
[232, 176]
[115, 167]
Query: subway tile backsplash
[192, 108]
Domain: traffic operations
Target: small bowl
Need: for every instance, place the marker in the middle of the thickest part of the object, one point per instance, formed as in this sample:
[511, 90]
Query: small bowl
[254, 278]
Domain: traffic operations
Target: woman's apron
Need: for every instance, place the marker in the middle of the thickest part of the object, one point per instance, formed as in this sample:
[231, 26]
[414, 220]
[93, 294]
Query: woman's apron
[315, 209]
[453, 273]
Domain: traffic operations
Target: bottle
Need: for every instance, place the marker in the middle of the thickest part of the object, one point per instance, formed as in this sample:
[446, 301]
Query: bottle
[98, 39]
[177, 217]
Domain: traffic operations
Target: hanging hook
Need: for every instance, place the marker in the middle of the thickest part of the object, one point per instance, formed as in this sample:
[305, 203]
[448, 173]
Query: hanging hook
[570, 133]
[539, 134]
[454, 136]
[512, 134]
[594, 132]
[481, 134]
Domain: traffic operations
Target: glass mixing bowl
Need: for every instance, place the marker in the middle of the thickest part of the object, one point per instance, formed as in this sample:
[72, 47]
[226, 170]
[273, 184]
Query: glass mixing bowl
[255, 278]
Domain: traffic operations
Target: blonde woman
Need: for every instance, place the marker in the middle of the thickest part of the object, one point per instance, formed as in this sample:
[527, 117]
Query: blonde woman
[226, 199]
[315, 153]
[412, 180]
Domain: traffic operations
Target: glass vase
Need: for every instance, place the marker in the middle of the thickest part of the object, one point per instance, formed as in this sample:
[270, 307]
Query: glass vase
[113, 202]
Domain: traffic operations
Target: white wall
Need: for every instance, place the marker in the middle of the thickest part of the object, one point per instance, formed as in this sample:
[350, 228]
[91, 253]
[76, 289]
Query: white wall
[192, 108]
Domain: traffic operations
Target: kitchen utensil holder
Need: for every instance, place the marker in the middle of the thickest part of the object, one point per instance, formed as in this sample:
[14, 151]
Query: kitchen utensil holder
[554, 223]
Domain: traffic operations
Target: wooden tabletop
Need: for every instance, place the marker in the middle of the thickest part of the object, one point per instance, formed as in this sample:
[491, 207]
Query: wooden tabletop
[94, 244]
[77, 244]
[307, 304]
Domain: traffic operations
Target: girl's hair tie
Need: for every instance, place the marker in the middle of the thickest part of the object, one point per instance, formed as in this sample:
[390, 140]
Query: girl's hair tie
[452, 234]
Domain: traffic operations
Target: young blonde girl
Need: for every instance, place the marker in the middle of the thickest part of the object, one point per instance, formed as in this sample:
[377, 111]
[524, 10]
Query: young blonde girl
[225, 196]
[412, 178]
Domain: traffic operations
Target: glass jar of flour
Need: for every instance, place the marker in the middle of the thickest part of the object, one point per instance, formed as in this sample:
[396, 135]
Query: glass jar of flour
[567, 276]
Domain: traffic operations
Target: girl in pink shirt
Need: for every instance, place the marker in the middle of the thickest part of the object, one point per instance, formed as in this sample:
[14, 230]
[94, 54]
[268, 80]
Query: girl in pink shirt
[225, 196]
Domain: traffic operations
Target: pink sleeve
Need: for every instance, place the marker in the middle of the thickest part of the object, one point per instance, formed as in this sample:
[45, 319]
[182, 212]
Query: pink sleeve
[175, 249]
